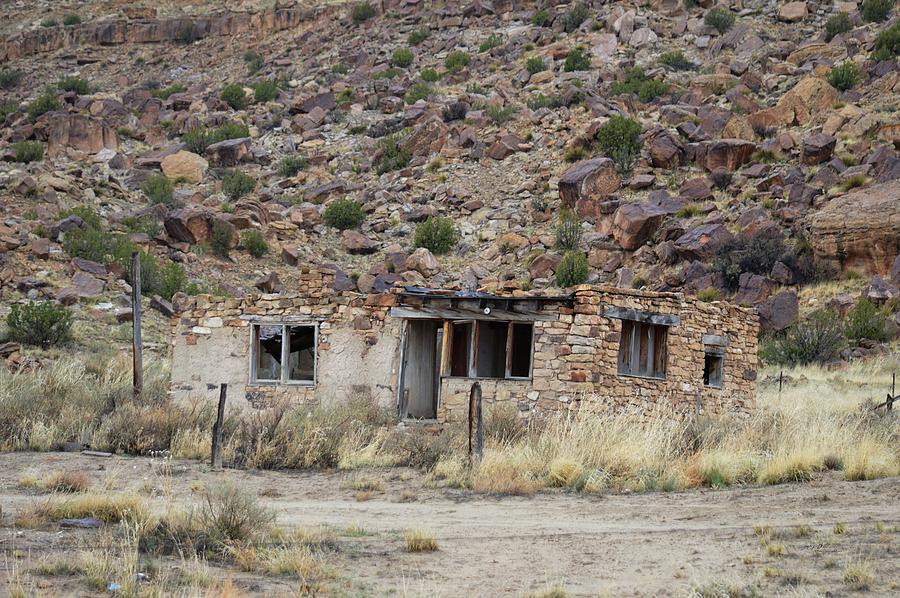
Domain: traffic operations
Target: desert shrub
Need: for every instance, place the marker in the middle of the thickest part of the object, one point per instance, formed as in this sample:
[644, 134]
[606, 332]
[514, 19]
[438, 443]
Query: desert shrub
[166, 92]
[535, 64]
[7, 107]
[254, 61]
[577, 60]
[455, 111]
[236, 184]
[42, 323]
[66, 482]
[393, 156]
[494, 40]
[28, 151]
[818, 338]
[402, 57]
[575, 153]
[187, 33]
[637, 82]
[343, 214]
[199, 138]
[719, 19]
[572, 269]
[340, 69]
[573, 19]
[159, 189]
[844, 76]
[417, 91]
[457, 61]
[437, 235]
[887, 44]
[876, 11]
[291, 165]
[417, 37]
[865, 321]
[49, 22]
[837, 24]
[429, 75]
[419, 541]
[9, 78]
[539, 100]
[196, 140]
[709, 294]
[221, 237]
[676, 61]
[265, 91]
[71, 20]
[231, 514]
[255, 243]
[47, 102]
[235, 96]
[390, 73]
[362, 12]
[74, 84]
[568, 231]
[620, 139]
[740, 255]
[541, 18]
[500, 114]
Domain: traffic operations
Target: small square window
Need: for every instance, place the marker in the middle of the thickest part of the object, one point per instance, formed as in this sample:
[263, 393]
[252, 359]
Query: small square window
[642, 349]
[713, 367]
[283, 354]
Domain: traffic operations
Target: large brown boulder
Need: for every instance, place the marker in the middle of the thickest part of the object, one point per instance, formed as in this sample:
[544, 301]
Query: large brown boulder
[228, 152]
[810, 100]
[81, 133]
[729, 154]
[860, 229]
[779, 311]
[189, 225]
[634, 223]
[428, 138]
[184, 164]
[665, 150]
[817, 148]
[589, 180]
[703, 241]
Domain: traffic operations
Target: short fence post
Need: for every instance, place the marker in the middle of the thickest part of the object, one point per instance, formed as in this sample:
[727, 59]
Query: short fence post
[780, 381]
[476, 424]
[217, 431]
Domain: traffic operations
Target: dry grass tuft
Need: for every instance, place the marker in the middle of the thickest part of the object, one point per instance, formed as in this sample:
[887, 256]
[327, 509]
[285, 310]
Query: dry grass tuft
[109, 508]
[859, 575]
[418, 540]
[66, 482]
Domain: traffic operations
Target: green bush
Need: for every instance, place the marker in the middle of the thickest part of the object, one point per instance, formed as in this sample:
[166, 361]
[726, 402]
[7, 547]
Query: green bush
[500, 114]
[9, 78]
[166, 92]
[575, 17]
[48, 102]
[676, 61]
[541, 18]
[577, 60]
[844, 76]
[265, 91]
[429, 75]
[539, 100]
[291, 165]
[88, 215]
[49, 22]
[235, 96]
[756, 256]
[199, 138]
[887, 44]
[457, 61]
[402, 57]
[876, 11]
[817, 339]
[7, 107]
[344, 214]
[387, 74]
[254, 62]
[455, 111]
[393, 157]
[76, 84]
[637, 82]
[417, 37]
[159, 189]
[494, 40]
[620, 139]
[340, 69]
[568, 231]
[362, 12]
[255, 243]
[535, 64]
[709, 294]
[417, 91]
[221, 237]
[42, 324]
[236, 184]
[837, 24]
[865, 321]
[71, 20]
[572, 269]
[437, 235]
[719, 19]
[28, 151]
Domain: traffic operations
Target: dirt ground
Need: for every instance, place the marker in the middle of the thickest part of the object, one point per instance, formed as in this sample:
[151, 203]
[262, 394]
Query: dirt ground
[657, 544]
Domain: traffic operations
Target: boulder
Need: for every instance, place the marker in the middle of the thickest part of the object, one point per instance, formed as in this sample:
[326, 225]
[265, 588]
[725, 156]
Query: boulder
[753, 289]
[269, 283]
[428, 138]
[79, 132]
[184, 164]
[422, 261]
[228, 152]
[810, 100]
[189, 225]
[357, 243]
[792, 12]
[817, 148]
[860, 229]
[506, 146]
[589, 180]
[324, 101]
[703, 241]
[634, 223]
[730, 154]
[665, 150]
[86, 285]
[779, 311]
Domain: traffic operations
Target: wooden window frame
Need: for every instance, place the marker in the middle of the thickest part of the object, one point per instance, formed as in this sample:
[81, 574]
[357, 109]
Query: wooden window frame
[285, 353]
[473, 351]
[719, 354]
[633, 351]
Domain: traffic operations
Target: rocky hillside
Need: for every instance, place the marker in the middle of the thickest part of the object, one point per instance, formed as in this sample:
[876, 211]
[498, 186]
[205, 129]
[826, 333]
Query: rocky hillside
[745, 150]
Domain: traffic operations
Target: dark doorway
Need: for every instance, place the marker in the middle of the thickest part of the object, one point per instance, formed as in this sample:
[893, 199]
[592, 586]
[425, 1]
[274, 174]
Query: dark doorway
[421, 374]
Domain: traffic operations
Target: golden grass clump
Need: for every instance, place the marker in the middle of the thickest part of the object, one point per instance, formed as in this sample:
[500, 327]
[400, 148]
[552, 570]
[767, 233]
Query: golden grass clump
[859, 574]
[418, 540]
[109, 508]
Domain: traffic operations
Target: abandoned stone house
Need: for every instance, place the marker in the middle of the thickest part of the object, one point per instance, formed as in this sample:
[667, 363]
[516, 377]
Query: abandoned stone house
[598, 348]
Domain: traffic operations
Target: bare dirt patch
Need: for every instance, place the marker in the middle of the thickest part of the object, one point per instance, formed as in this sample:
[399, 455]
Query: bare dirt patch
[801, 537]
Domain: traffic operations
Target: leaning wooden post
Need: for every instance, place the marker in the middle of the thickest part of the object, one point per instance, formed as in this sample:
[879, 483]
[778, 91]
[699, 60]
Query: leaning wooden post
[217, 431]
[476, 425]
[137, 356]
[780, 381]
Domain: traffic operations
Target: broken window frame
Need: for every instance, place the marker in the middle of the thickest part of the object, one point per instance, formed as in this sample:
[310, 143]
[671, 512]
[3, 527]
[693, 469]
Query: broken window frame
[628, 363]
[284, 379]
[473, 348]
[718, 354]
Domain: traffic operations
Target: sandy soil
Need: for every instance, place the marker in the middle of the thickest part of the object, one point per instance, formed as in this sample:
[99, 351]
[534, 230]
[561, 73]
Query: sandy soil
[620, 545]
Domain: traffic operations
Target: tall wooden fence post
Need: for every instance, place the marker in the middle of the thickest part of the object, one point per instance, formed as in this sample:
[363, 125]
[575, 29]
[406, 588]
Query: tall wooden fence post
[476, 424]
[217, 431]
[136, 349]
